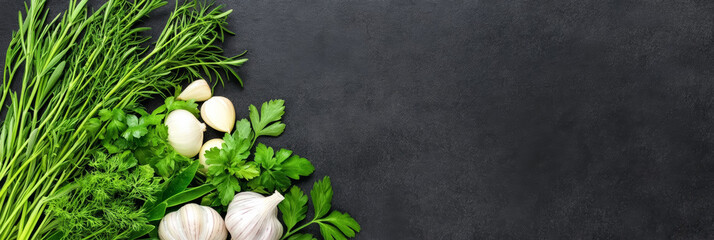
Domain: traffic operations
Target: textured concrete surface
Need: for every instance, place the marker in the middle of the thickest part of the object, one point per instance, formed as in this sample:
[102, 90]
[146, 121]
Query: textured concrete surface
[490, 119]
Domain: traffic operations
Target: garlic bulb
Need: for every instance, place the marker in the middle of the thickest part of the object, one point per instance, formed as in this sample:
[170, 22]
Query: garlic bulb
[198, 90]
[218, 112]
[252, 216]
[216, 142]
[185, 132]
[193, 222]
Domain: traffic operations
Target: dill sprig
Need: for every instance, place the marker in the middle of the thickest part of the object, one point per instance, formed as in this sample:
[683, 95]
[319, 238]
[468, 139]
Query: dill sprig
[71, 67]
[102, 203]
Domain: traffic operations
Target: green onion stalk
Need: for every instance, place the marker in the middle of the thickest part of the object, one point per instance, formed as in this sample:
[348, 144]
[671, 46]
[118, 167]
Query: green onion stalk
[65, 69]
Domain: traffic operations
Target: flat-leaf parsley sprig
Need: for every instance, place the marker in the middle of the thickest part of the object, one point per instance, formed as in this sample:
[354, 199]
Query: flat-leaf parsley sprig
[336, 225]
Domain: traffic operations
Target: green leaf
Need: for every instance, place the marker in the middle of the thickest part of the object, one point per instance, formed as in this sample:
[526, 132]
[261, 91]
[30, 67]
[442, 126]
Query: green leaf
[31, 140]
[227, 189]
[273, 130]
[343, 221]
[118, 115]
[228, 165]
[210, 199]
[129, 162]
[136, 131]
[159, 110]
[278, 168]
[330, 233]
[105, 115]
[296, 166]
[165, 167]
[279, 179]
[264, 156]
[132, 121]
[337, 225]
[256, 187]
[179, 182]
[154, 119]
[173, 104]
[156, 213]
[243, 129]
[93, 126]
[213, 156]
[248, 171]
[282, 155]
[294, 207]
[189, 195]
[145, 229]
[321, 194]
[116, 122]
[271, 111]
[54, 77]
[140, 111]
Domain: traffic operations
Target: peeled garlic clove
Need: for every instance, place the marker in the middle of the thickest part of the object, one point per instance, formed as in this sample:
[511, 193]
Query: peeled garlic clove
[252, 216]
[193, 222]
[198, 90]
[216, 142]
[185, 132]
[218, 112]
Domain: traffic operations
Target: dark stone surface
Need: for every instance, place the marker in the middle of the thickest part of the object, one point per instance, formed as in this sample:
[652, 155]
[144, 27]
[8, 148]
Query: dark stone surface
[490, 119]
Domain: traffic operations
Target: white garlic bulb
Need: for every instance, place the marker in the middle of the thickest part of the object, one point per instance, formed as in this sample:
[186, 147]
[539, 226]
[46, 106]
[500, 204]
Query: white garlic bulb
[185, 132]
[198, 90]
[193, 222]
[252, 216]
[217, 143]
[218, 112]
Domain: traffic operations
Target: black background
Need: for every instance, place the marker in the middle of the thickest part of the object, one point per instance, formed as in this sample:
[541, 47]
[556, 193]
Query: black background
[489, 119]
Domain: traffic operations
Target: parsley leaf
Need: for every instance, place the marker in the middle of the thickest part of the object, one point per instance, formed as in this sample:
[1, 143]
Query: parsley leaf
[116, 122]
[294, 207]
[329, 232]
[321, 194]
[343, 221]
[267, 123]
[278, 168]
[336, 225]
[226, 186]
[296, 166]
[93, 126]
[136, 128]
[171, 104]
[228, 164]
[243, 129]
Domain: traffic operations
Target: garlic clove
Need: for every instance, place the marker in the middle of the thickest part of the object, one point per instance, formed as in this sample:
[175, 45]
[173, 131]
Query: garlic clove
[198, 90]
[216, 142]
[193, 222]
[185, 132]
[252, 216]
[218, 112]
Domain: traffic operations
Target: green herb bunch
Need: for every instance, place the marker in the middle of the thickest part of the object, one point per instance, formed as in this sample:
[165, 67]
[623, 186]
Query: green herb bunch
[81, 159]
[72, 66]
[130, 180]
[105, 203]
